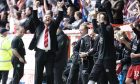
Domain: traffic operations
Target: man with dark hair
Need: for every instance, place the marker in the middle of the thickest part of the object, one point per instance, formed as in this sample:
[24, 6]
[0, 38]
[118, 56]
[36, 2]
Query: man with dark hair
[61, 56]
[106, 62]
[3, 19]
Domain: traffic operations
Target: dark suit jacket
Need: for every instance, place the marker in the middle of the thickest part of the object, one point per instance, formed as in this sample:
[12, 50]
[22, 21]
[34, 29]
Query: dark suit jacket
[29, 24]
[63, 44]
[52, 30]
[95, 47]
[83, 45]
[106, 40]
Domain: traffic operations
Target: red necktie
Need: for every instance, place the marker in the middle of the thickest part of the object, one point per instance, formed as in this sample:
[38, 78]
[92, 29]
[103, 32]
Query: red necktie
[46, 38]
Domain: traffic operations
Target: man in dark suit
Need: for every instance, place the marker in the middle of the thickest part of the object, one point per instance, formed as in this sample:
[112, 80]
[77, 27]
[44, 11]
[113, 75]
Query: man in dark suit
[45, 44]
[29, 22]
[106, 57]
[61, 56]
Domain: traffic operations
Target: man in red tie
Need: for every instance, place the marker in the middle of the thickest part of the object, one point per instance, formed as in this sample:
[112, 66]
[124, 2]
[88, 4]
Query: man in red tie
[45, 44]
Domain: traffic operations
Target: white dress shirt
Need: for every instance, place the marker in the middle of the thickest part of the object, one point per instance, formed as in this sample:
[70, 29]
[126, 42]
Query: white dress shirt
[40, 43]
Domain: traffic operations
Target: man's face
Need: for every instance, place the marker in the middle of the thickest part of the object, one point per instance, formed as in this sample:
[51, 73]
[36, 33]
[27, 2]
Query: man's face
[21, 31]
[47, 19]
[23, 14]
[91, 34]
[68, 11]
[28, 11]
[100, 18]
[82, 30]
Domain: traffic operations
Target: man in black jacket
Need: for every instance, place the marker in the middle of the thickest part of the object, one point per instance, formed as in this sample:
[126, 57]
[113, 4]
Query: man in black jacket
[45, 44]
[29, 22]
[61, 56]
[82, 62]
[106, 58]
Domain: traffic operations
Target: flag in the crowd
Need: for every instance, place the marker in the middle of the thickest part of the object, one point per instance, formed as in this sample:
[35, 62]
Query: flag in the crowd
[84, 11]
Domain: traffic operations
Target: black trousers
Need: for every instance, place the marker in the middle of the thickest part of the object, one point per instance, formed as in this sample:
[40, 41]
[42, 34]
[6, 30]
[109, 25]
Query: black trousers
[59, 68]
[106, 68]
[74, 72]
[102, 78]
[84, 74]
[4, 76]
[79, 72]
[44, 59]
[85, 69]
[18, 71]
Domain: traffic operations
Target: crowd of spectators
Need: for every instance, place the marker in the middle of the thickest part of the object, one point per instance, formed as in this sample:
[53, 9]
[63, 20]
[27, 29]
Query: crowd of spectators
[76, 12]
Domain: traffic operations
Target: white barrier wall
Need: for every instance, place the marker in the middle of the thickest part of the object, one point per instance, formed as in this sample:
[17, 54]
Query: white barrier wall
[28, 77]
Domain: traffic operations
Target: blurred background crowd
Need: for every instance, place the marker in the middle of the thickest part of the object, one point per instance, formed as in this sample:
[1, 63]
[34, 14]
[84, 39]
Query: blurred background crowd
[75, 12]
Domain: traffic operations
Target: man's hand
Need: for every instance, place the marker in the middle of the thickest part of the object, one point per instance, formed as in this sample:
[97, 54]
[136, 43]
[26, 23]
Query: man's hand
[133, 25]
[22, 60]
[83, 54]
[101, 18]
[118, 61]
[132, 55]
[35, 5]
[122, 40]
